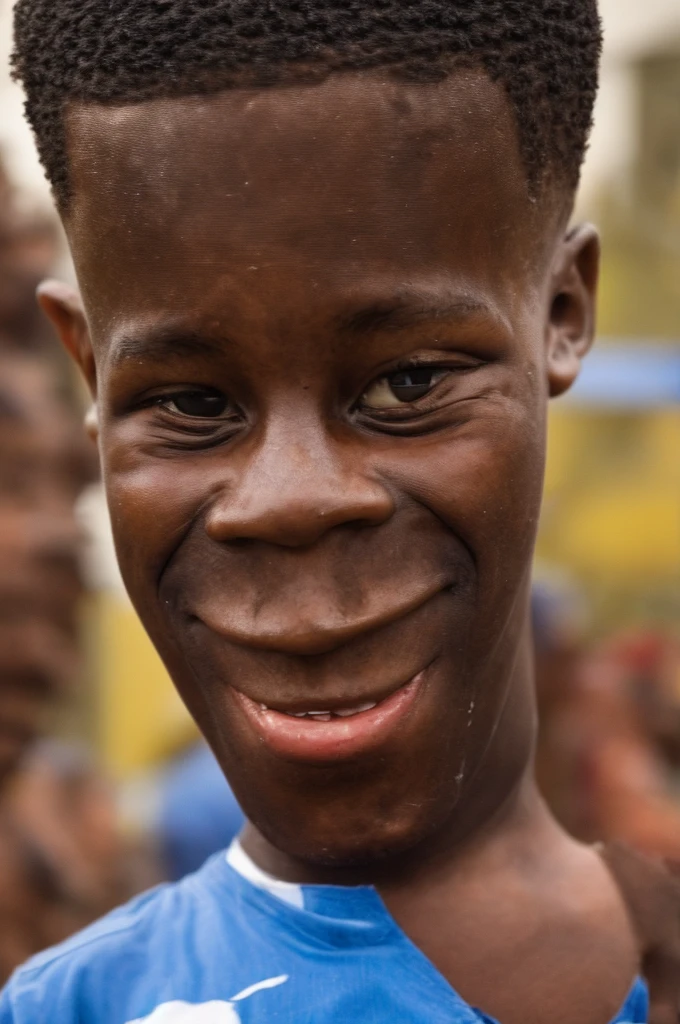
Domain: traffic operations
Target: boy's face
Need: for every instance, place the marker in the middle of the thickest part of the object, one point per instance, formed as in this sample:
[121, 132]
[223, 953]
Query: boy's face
[324, 333]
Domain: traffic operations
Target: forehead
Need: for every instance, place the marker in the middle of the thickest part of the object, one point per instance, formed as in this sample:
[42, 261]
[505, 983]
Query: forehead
[356, 180]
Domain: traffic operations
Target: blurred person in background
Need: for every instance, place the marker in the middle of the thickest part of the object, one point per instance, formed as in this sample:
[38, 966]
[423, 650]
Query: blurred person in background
[605, 728]
[184, 809]
[61, 859]
[29, 247]
[649, 660]
[198, 814]
[40, 581]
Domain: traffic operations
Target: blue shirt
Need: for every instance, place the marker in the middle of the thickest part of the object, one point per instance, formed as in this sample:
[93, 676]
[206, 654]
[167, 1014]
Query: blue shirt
[222, 948]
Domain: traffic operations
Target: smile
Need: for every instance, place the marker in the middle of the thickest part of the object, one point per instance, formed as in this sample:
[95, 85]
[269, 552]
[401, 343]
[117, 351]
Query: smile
[335, 732]
[297, 634]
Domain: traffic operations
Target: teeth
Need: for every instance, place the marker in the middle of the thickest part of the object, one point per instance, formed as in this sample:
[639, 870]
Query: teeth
[348, 712]
[326, 716]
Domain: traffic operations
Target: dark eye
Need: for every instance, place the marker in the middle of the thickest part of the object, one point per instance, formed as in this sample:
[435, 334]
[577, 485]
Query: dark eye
[205, 404]
[401, 387]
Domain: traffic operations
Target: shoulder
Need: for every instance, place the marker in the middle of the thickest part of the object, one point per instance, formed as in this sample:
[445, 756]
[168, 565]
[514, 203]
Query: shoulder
[109, 960]
[105, 934]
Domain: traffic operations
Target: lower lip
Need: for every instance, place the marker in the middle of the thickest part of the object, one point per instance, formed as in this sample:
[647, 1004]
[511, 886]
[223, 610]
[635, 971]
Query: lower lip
[304, 739]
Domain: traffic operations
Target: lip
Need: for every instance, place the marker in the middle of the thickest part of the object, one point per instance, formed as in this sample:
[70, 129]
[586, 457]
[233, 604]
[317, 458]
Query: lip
[303, 739]
[308, 635]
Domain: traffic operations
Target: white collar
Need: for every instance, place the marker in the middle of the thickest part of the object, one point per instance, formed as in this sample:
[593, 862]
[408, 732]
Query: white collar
[239, 860]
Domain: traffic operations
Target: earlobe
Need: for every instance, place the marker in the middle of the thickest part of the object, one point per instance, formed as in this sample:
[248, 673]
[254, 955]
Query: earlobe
[63, 307]
[573, 293]
[91, 423]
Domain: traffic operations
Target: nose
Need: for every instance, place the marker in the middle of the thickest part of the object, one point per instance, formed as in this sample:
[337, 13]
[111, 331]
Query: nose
[294, 487]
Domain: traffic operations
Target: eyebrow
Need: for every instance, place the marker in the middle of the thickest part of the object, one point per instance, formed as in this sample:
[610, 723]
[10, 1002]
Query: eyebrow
[395, 314]
[161, 344]
[171, 341]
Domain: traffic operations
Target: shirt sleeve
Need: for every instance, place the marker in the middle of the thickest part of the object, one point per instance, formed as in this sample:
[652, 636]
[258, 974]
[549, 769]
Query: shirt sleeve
[7, 1014]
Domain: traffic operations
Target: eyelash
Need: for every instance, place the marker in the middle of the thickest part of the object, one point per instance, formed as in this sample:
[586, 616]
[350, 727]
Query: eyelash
[203, 432]
[446, 370]
[215, 430]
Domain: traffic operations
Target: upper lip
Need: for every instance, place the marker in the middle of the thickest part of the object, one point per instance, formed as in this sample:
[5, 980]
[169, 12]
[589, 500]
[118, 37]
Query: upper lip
[311, 638]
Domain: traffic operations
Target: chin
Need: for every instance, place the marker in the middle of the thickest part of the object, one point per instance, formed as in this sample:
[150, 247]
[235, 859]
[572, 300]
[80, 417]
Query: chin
[351, 837]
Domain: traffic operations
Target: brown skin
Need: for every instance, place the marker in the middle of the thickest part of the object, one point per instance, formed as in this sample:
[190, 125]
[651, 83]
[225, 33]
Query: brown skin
[290, 247]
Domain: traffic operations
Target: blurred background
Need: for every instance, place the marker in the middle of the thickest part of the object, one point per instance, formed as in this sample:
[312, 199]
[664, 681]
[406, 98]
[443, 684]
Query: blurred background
[104, 785]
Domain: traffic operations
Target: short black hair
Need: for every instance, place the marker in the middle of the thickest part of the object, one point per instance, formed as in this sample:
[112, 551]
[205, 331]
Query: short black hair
[545, 53]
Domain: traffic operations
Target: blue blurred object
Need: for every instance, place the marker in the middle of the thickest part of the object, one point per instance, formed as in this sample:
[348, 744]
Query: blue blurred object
[629, 376]
[199, 814]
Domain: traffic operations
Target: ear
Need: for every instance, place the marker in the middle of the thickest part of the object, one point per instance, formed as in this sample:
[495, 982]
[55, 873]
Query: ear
[64, 308]
[573, 293]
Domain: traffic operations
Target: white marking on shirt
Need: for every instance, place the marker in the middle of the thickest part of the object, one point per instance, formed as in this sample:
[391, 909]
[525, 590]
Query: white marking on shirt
[239, 860]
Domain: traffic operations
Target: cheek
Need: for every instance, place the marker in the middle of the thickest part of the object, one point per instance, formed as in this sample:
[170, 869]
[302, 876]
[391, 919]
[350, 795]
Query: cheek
[152, 503]
[484, 481]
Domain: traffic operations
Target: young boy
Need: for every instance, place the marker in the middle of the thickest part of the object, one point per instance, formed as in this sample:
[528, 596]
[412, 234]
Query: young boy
[327, 289]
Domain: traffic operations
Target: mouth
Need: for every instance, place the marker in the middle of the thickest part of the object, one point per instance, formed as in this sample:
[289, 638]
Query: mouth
[328, 731]
[305, 633]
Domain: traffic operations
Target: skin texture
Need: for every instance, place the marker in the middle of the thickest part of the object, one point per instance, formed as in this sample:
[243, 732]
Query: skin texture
[290, 247]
